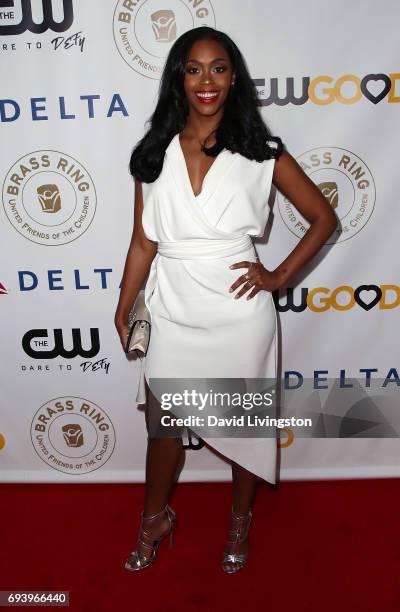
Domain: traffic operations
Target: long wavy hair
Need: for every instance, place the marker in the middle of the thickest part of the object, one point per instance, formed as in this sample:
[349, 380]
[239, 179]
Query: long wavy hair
[241, 129]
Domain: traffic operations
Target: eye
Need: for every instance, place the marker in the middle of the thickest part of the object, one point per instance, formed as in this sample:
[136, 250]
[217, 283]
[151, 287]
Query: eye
[194, 69]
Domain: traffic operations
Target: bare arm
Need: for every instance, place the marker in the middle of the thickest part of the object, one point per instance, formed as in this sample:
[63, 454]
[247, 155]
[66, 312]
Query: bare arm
[293, 183]
[140, 255]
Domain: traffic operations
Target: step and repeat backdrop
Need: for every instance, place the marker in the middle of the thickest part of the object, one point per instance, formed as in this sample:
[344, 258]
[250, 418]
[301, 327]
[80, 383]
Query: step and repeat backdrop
[79, 79]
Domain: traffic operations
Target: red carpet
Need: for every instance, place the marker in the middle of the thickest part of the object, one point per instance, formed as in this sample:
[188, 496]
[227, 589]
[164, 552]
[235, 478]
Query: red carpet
[323, 546]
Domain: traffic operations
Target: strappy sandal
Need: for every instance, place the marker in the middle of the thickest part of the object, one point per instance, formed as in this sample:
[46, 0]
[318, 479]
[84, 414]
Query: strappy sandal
[137, 560]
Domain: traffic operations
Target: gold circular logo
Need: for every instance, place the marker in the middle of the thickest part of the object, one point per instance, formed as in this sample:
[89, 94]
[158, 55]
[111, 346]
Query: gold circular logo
[346, 182]
[72, 435]
[49, 197]
[145, 31]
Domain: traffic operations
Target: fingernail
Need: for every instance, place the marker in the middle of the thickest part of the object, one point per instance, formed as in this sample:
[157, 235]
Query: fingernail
[236, 297]
[230, 290]
[231, 266]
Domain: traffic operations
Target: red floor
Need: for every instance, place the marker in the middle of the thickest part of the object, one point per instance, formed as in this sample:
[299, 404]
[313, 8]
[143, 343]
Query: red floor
[315, 546]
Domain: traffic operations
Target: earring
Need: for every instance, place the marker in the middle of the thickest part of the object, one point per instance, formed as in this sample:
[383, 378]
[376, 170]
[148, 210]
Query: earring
[232, 83]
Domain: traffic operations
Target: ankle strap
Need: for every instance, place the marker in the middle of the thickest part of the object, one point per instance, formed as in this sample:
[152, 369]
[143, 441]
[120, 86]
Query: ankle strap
[154, 515]
[249, 514]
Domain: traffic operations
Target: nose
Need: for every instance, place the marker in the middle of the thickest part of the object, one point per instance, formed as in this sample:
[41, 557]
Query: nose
[206, 77]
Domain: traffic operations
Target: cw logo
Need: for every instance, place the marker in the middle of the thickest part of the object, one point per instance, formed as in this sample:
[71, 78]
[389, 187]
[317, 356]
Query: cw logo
[26, 21]
[32, 343]
[324, 89]
[344, 297]
[193, 441]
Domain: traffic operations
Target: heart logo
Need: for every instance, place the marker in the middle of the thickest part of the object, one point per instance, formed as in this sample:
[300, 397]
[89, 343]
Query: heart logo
[370, 95]
[367, 288]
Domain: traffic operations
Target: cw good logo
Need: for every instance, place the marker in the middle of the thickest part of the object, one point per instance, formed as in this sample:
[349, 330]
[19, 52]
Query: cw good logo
[346, 182]
[145, 31]
[72, 435]
[285, 443]
[20, 18]
[191, 441]
[324, 89]
[49, 197]
[33, 347]
[344, 297]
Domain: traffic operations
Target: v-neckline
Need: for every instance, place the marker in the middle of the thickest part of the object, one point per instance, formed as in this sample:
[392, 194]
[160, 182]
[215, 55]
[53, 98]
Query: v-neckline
[199, 195]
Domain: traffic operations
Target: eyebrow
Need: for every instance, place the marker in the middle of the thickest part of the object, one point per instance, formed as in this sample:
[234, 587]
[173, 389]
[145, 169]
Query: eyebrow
[218, 59]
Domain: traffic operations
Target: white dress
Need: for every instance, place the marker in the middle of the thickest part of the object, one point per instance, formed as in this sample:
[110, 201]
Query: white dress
[198, 328]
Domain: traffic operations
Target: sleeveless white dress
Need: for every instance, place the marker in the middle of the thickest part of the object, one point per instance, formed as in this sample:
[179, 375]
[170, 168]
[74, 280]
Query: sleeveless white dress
[199, 329]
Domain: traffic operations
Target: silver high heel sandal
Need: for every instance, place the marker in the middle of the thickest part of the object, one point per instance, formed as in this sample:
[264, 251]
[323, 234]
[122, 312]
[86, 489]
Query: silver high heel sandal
[137, 560]
[235, 537]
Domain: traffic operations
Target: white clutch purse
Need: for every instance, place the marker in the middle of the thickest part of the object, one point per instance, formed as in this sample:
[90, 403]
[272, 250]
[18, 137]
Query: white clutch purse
[139, 327]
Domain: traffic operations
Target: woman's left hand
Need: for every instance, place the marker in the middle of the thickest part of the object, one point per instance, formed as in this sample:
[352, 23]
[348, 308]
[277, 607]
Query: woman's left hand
[256, 278]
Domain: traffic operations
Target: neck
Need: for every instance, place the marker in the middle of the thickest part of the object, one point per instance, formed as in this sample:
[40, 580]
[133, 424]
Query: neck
[200, 128]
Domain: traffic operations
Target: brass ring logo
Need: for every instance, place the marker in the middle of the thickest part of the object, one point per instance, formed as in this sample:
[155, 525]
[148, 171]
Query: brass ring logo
[145, 31]
[346, 182]
[72, 435]
[49, 197]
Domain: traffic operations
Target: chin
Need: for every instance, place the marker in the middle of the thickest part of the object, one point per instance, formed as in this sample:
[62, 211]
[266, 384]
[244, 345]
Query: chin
[205, 109]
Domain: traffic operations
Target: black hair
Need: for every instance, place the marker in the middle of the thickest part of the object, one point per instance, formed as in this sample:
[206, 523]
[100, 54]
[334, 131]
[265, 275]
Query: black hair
[241, 129]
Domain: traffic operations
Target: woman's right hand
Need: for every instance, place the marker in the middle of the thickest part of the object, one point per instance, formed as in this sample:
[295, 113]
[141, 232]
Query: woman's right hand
[121, 323]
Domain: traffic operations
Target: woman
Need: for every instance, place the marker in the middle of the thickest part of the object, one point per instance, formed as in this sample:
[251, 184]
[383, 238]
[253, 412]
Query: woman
[203, 174]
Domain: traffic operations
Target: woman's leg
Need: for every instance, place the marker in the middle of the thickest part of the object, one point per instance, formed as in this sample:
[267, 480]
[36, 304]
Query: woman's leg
[162, 461]
[244, 487]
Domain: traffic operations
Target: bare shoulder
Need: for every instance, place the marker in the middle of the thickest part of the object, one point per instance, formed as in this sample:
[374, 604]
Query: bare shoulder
[289, 176]
[286, 169]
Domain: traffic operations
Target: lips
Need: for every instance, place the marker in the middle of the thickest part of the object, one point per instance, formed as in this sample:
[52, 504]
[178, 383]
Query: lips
[207, 96]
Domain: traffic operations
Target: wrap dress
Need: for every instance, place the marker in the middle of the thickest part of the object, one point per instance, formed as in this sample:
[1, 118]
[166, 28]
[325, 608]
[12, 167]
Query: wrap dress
[198, 328]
